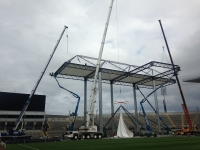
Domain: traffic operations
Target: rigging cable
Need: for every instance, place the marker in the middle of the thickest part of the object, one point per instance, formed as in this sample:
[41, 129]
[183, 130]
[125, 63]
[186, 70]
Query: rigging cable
[117, 33]
[165, 58]
[67, 40]
[120, 95]
[164, 55]
[117, 37]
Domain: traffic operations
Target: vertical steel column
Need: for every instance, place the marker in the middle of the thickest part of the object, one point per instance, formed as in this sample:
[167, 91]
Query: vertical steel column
[156, 103]
[112, 107]
[135, 104]
[100, 104]
[85, 99]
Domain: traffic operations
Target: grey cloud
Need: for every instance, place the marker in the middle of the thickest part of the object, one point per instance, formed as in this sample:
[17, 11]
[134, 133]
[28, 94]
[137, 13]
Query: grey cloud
[29, 31]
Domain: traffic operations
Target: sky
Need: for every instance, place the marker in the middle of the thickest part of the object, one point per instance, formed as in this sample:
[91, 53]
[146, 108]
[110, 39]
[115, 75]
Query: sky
[30, 29]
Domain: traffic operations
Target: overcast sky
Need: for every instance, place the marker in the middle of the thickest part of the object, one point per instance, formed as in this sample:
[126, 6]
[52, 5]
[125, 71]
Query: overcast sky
[30, 29]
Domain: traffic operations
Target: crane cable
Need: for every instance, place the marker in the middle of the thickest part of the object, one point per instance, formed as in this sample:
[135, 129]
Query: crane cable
[164, 55]
[117, 37]
[117, 32]
[120, 90]
[67, 40]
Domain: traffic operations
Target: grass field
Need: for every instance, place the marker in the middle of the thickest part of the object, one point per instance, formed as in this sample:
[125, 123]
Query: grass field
[167, 143]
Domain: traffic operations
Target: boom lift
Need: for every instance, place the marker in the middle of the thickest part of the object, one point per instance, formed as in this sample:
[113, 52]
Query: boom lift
[22, 132]
[143, 111]
[71, 128]
[191, 129]
[71, 134]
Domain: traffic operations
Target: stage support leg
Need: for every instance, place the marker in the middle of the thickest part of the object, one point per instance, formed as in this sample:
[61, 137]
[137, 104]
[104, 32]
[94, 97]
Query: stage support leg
[135, 104]
[112, 108]
[100, 104]
[156, 104]
[85, 99]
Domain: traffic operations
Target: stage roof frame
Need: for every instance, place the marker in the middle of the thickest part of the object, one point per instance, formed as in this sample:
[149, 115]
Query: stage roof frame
[122, 74]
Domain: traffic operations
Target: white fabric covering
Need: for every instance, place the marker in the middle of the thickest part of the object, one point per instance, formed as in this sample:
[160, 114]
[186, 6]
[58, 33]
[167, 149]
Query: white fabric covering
[122, 130]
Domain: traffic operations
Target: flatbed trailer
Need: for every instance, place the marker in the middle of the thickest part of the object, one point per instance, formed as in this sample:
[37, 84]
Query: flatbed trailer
[15, 138]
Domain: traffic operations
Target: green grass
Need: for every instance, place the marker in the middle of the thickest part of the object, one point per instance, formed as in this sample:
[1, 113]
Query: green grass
[167, 143]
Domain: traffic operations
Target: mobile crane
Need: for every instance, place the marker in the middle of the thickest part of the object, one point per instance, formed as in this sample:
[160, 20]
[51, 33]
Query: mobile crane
[91, 130]
[21, 132]
[190, 129]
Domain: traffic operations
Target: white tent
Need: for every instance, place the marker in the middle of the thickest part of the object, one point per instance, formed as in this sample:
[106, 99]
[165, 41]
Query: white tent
[122, 130]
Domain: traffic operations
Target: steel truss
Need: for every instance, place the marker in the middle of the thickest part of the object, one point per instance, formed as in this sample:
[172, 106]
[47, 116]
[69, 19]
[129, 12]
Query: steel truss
[109, 82]
[125, 70]
[131, 117]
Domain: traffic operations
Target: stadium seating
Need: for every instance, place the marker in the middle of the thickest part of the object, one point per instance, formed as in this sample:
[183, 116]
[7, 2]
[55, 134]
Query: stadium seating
[35, 134]
[58, 125]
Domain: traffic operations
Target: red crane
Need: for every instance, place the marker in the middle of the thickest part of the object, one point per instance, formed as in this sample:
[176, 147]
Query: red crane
[187, 115]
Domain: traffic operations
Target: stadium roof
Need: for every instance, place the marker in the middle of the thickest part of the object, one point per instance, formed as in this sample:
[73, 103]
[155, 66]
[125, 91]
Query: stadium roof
[120, 74]
[194, 80]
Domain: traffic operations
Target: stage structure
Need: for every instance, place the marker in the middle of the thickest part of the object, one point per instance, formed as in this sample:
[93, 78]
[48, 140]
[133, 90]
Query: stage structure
[117, 73]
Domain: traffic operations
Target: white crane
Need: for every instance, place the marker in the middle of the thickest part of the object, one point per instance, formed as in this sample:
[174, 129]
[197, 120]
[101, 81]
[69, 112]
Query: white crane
[90, 114]
[90, 131]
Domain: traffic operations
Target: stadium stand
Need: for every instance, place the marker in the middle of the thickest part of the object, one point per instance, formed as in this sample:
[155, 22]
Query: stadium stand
[38, 124]
[11, 105]
[35, 134]
[56, 125]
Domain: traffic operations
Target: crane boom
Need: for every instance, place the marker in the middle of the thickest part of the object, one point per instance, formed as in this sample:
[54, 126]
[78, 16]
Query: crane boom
[37, 83]
[177, 79]
[90, 113]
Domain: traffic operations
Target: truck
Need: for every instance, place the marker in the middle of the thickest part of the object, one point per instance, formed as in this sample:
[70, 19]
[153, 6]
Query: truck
[83, 134]
[187, 131]
[14, 135]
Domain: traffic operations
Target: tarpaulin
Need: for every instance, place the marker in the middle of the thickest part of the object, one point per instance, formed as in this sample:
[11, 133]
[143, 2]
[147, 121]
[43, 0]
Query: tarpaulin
[122, 130]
